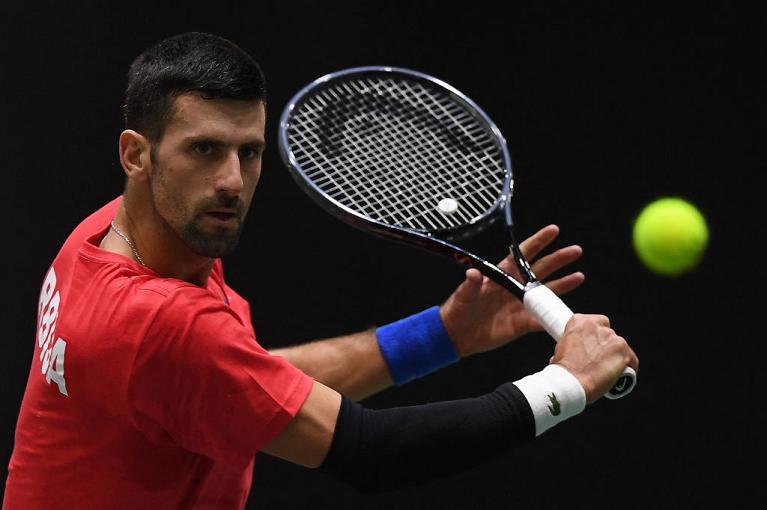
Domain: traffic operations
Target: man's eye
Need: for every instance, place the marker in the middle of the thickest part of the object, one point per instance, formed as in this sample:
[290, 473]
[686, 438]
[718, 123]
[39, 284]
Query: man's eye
[203, 148]
[248, 153]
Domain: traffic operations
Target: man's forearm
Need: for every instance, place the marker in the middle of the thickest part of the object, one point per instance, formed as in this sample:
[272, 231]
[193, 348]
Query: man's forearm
[351, 364]
[383, 449]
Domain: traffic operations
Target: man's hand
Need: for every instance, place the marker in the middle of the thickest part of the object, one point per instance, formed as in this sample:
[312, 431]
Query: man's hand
[591, 351]
[481, 315]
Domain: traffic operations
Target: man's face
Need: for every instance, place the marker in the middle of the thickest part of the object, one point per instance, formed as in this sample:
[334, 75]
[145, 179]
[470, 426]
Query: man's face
[205, 170]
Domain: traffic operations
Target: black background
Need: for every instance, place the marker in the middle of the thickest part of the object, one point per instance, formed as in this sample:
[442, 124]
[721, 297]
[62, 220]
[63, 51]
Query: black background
[605, 106]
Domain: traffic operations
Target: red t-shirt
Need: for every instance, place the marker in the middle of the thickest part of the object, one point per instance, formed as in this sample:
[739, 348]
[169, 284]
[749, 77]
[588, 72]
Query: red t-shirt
[144, 392]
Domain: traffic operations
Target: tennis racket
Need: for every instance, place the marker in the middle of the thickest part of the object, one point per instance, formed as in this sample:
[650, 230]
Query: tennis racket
[405, 156]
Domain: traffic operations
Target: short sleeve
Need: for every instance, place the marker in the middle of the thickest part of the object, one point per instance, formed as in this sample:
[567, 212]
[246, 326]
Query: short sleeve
[200, 380]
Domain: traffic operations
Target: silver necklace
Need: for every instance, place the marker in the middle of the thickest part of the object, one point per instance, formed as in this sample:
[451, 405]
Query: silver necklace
[130, 243]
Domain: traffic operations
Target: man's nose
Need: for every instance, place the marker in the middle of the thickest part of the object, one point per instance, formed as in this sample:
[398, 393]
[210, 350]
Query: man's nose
[229, 177]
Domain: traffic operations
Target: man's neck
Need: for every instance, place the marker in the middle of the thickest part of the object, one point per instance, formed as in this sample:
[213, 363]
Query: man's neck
[157, 246]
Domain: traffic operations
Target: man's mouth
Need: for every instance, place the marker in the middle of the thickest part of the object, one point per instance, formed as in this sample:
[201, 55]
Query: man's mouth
[223, 217]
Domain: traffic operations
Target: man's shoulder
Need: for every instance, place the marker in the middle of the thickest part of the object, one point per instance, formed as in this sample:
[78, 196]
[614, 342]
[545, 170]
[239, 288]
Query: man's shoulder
[145, 294]
[162, 288]
[177, 300]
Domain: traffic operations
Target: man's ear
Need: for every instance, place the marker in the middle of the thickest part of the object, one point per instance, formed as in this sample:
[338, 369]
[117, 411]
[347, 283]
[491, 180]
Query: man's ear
[135, 155]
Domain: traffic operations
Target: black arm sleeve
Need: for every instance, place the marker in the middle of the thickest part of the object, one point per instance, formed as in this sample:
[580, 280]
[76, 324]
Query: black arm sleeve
[376, 450]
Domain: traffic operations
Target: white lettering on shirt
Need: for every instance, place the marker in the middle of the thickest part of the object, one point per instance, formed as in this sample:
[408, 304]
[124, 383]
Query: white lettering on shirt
[51, 352]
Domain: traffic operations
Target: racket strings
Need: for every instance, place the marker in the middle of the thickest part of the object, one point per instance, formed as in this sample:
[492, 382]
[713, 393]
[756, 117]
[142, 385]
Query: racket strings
[391, 149]
[406, 203]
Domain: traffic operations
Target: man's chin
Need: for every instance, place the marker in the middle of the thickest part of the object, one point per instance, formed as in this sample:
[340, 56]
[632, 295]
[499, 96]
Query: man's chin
[215, 250]
[214, 245]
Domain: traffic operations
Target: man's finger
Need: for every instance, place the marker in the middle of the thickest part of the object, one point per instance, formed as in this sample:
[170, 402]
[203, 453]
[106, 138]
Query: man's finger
[562, 286]
[469, 289]
[530, 248]
[555, 261]
[534, 244]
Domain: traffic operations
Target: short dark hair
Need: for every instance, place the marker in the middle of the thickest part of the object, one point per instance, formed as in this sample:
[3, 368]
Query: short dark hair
[194, 61]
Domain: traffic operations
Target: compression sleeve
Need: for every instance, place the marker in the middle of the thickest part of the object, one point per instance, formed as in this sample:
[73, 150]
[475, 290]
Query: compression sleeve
[377, 450]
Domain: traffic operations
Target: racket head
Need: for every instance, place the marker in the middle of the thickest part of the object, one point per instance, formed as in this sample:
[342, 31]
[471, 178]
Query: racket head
[388, 148]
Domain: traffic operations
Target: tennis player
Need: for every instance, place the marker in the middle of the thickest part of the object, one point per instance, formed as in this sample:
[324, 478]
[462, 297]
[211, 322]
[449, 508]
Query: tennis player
[148, 387]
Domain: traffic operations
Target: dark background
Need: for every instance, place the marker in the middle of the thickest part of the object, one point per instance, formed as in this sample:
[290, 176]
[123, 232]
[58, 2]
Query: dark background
[605, 106]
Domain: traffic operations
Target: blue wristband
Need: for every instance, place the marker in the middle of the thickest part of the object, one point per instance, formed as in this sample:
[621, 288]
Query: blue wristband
[416, 345]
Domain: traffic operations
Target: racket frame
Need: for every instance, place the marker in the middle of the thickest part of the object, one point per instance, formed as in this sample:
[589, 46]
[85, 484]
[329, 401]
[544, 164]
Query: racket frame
[336, 208]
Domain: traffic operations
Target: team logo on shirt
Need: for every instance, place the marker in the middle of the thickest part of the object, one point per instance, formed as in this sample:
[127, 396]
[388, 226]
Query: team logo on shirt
[51, 351]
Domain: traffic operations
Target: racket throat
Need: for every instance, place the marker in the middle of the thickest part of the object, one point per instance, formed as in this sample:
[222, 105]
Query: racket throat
[521, 262]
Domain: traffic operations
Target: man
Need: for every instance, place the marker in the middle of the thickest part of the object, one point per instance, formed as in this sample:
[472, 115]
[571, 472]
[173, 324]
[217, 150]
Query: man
[148, 388]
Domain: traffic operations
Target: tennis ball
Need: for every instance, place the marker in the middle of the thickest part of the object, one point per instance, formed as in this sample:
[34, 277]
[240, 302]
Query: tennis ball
[670, 236]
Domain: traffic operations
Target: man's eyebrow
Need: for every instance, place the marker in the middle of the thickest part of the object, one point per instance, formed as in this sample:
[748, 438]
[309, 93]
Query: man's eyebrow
[258, 143]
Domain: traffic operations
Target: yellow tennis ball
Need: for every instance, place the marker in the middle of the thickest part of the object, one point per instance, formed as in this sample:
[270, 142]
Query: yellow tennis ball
[670, 236]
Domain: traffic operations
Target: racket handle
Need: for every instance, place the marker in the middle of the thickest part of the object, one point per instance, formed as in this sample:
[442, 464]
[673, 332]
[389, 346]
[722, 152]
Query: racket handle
[553, 315]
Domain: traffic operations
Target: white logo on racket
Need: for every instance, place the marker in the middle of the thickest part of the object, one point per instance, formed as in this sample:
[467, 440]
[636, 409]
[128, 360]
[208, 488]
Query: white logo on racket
[447, 206]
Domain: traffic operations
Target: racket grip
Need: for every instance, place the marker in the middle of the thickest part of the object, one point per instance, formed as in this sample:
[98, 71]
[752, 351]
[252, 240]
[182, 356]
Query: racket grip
[553, 315]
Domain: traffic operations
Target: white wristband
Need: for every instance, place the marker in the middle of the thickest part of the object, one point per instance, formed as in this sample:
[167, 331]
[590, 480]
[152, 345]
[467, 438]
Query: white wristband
[554, 394]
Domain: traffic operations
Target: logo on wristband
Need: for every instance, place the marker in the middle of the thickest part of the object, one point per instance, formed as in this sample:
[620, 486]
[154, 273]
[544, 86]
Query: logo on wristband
[555, 408]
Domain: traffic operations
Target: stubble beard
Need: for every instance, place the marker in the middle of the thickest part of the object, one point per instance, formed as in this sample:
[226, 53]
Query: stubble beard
[212, 244]
[187, 221]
